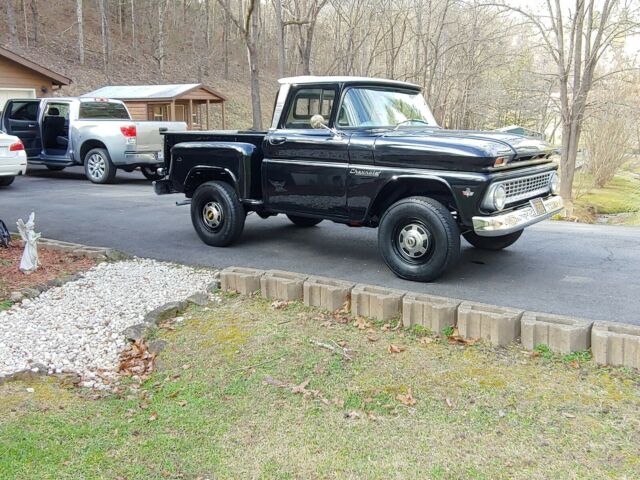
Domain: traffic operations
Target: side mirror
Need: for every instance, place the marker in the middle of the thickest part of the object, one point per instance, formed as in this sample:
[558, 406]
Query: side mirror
[318, 121]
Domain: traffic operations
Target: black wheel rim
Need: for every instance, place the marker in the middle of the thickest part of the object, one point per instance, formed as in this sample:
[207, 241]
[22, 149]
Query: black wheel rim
[413, 242]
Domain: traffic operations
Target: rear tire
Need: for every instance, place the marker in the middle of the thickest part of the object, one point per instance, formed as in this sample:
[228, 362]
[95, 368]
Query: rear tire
[304, 221]
[492, 243]
[98, 166]
[151, 173]
[217, 214]
[6, 181]
[419, 239]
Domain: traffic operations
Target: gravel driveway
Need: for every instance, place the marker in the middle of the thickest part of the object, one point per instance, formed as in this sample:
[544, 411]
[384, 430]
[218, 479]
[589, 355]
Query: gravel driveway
[77, 327]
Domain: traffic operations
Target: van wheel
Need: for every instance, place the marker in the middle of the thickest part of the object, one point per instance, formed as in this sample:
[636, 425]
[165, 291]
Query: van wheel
[6, 181]
[98, 166]
[217, 214]
[304, 221]
[151, 173]
[492, 243]
[419, 239]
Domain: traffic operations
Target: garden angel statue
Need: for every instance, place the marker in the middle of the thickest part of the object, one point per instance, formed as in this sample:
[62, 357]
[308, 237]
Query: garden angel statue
[29, 262]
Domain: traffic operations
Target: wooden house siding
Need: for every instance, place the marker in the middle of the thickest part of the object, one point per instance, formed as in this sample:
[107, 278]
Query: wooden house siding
[13, 75]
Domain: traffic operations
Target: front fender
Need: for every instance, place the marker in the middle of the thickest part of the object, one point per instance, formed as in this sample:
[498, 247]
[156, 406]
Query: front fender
[461, 191]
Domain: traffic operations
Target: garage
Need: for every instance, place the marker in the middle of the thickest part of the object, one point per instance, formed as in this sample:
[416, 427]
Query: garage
[23, 78]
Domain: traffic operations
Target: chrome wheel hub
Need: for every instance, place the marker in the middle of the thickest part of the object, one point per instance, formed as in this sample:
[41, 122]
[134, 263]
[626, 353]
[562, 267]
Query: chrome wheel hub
[96, 165]
[413, 240]
[212, 214]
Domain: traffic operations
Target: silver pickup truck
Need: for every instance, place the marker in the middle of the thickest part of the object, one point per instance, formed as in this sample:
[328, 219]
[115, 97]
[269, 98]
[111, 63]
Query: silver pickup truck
[95, 132]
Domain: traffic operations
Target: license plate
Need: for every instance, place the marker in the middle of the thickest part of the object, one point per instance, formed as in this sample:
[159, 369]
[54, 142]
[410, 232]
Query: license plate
[538, 206]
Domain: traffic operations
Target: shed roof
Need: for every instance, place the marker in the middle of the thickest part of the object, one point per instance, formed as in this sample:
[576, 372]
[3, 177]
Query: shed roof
[56, 78]
[150, 92]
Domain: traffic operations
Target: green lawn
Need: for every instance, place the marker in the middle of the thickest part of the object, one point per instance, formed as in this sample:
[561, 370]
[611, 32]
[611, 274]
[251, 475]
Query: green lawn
[241, 391]
[621, 195]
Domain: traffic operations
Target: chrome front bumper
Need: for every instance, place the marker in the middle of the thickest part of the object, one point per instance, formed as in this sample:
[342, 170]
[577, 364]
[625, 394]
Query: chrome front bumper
[509, 222]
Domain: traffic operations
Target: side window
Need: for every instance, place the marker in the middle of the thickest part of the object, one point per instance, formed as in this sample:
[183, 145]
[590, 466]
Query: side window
[308, 102]
[27, 111]
[57, 110]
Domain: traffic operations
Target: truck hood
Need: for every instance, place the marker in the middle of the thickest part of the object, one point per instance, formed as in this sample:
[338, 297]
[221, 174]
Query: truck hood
[465, 149]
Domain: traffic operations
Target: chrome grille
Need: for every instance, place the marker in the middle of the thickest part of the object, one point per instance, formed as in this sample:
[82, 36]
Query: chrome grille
[527, 187]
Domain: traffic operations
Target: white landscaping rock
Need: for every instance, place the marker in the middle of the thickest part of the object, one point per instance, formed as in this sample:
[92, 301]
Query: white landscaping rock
[77, 327]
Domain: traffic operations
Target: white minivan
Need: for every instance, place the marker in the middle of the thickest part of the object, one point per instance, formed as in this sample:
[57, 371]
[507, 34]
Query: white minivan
[13, 159]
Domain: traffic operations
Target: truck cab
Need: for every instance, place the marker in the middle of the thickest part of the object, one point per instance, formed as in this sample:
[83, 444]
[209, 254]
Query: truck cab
[366, 152]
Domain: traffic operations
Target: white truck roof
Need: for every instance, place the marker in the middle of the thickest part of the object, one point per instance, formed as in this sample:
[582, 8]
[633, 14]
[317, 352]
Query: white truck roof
[344, 79]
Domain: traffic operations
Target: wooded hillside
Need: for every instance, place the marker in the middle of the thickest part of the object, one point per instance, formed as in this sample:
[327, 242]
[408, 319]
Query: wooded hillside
[546, 65]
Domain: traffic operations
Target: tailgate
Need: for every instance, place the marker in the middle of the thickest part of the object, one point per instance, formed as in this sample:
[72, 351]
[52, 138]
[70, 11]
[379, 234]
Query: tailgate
[148, 135]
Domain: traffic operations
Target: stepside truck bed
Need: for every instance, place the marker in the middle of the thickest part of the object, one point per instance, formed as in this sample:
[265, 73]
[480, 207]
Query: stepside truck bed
[190, 158]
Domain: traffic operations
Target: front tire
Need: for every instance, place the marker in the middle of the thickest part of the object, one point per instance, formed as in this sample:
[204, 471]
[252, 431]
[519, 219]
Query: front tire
[492, 243]
[151, 173]
[304, 221]
[217, 214]
[419, 239]
[98, 166]
[6, 181]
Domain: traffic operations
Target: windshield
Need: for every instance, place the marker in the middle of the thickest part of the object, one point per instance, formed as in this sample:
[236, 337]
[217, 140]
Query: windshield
[373, 107]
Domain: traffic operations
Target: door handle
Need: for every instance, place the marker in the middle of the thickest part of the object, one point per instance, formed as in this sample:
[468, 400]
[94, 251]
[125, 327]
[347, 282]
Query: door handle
[277, 140]
[32, 125]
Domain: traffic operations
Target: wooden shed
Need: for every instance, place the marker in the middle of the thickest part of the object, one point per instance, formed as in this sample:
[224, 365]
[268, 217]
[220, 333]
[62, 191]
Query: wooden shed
[22, 78]
[188, 103]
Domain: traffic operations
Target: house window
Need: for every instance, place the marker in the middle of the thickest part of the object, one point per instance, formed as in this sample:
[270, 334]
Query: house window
[159, 112]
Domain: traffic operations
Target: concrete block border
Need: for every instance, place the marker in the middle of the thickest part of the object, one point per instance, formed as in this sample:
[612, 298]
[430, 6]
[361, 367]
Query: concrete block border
[499, 325]
[376, 302]
[616, 344]
[611, 343]
[560, 333]
[280, 285]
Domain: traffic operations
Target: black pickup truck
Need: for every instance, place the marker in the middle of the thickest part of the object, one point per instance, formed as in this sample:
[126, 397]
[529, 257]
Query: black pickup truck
[366, 152]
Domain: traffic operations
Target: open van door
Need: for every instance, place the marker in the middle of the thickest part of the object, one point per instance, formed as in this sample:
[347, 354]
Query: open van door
[20, 118]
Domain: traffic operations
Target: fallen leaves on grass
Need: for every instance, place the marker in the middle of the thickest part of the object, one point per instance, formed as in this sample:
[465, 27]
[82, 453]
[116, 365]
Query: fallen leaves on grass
[362, 324]
[406, 399]
[449, 402]
[299, 389]
[136, 361]
[153, 417]
[343, 315]
[280, 304]
[426, 340]
[456, 339]
[395, 348]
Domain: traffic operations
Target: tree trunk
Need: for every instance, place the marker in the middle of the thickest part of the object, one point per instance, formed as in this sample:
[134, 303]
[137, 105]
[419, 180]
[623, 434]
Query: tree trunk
[162, 8]
[80, 22]
[11, 23]
[281, 38]
[134, 45]
[36, 20]
[225, 38]
[104, 27]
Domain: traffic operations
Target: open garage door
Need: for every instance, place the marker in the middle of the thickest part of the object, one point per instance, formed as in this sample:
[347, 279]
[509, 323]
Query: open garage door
[9, 93]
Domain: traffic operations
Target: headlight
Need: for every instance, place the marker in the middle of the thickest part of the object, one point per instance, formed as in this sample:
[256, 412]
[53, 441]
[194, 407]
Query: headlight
[554, 184]
[499, 197]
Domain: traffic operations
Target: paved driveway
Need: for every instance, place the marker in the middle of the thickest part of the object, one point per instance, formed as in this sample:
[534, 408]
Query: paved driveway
[558, 267]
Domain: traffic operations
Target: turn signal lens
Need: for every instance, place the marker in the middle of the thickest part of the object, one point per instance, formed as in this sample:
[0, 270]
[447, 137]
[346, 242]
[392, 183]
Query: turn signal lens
[501, 161]
[16, 147]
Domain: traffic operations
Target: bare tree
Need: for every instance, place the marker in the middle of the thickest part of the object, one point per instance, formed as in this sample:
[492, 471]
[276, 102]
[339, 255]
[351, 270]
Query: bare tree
[280, 32]
[80, 22]
[248, 25]
[160, 37]
[134, 44]
[577, 39]
[11, 23]
[35, 20]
